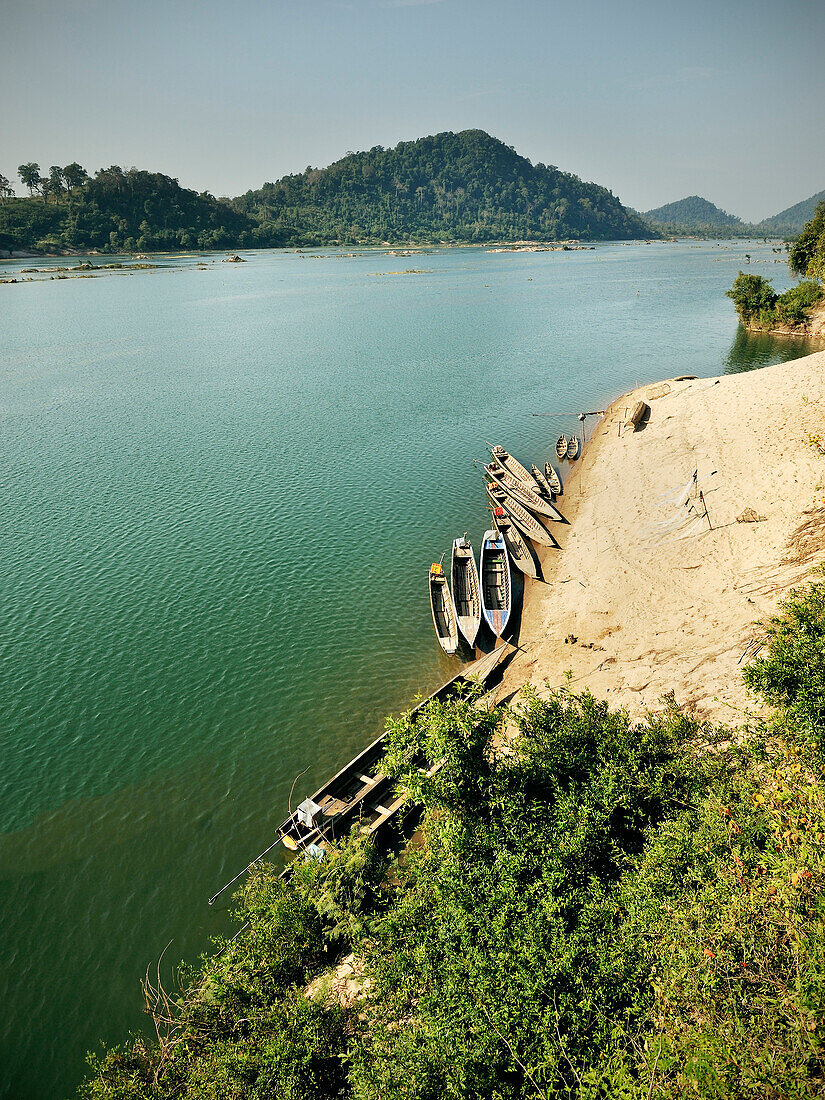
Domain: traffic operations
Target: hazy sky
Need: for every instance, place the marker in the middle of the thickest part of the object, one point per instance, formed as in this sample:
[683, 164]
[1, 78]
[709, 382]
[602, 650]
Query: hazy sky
[655, 100]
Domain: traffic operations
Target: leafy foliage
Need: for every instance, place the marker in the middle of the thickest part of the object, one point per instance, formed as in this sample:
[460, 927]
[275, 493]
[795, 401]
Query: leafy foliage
[120, 210]
[807, 256]
[758, 305]
[449, 187]
[596, 908]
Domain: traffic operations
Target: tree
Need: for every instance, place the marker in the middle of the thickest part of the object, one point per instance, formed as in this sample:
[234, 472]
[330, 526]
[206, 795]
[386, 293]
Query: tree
[57, 181]
[30, 176]
[807, 256]
[5, 187]
[74, 175]
[751, 294]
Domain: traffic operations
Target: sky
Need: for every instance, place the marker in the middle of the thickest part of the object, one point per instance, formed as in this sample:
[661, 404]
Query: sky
[655, 100]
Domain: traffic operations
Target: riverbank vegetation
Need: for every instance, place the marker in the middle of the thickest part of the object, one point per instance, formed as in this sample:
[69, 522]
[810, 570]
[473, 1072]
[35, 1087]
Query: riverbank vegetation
[596, 908]
[759, 306]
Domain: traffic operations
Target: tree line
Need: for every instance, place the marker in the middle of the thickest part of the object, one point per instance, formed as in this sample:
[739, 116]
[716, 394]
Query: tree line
[451, 188]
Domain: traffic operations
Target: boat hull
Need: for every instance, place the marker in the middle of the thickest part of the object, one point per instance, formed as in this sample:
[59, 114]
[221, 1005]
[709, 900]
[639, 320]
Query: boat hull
[466, 592]
[519, 515]
[496, 585]
[523, 494]
[443, 612]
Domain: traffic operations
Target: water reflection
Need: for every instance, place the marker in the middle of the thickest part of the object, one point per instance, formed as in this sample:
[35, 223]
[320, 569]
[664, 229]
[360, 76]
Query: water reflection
[750, 350]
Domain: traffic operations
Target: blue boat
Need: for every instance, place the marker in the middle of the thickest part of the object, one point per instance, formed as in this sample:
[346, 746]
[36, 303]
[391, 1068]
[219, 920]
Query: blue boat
[496, 589]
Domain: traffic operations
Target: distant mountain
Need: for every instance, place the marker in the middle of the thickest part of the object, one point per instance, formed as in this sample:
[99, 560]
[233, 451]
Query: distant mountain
[461, 187]
[791, 221]
[693, 215]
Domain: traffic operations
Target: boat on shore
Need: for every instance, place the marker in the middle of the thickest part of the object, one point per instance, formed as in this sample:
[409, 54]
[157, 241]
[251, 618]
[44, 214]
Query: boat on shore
[496, 587]
[515, 542]
[524, 495]
[542, 482]
[360, 792]
[466, 594]
[526, 523]
[573, 447]
[441, 605]
[512, 465]
[561, 447]
[553, 478]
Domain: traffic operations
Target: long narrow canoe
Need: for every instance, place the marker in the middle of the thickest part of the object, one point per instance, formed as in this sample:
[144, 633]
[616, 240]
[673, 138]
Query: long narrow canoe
[521, 493]
[360, 791]
[526, 523]
[512, 465]
[573, 447]
[496, 589]
[542, 482]
[466, 595]
[553, 479]
[516, 545]
[441, 605]
[561, 447]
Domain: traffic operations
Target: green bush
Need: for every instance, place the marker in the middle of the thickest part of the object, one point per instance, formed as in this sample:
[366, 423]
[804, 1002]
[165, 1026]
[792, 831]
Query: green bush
[751, 295]
[597, 908]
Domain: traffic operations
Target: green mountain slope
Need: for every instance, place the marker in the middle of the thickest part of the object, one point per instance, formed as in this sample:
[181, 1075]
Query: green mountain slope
[791, 221]
[464, 186]
[692, 214]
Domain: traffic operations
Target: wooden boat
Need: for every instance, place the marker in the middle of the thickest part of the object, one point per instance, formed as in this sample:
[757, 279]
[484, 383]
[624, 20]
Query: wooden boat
[466, 595]
[521, 493]
[496, 589]
[526, 523]
[553, 478]
[512, 465]
[516, 545]
[639, 411]
[573, 447]
[542, 482]
[561, 447]
[360, 792]
[441, 605]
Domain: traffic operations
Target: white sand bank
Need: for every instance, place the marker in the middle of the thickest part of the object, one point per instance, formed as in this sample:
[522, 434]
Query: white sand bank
[658, 600]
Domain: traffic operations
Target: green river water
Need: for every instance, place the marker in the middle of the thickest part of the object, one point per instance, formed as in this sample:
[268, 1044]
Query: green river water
[222, 486]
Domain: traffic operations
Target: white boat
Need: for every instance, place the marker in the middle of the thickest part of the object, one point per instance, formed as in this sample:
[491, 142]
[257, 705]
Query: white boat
[496, 589]
[573, 447]
[466, 594]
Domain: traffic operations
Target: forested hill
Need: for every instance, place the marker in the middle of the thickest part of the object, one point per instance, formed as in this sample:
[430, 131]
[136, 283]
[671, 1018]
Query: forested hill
[120, 210]
[791, 221]
[467, 186]
[693, 214]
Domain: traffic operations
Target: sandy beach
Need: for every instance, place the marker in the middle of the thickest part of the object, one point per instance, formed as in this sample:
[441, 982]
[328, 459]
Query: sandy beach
[656, 589]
